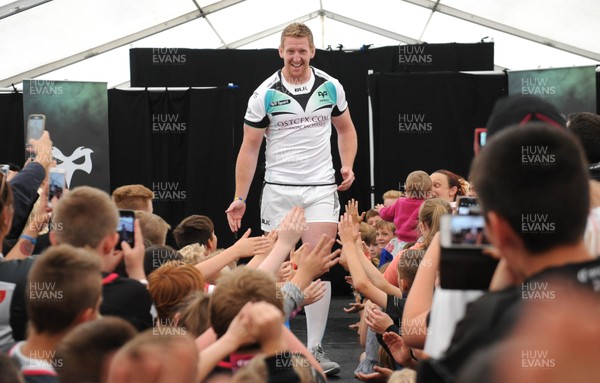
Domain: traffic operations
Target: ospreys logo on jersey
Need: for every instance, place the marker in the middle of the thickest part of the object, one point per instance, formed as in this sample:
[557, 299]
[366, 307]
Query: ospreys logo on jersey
[280, 102]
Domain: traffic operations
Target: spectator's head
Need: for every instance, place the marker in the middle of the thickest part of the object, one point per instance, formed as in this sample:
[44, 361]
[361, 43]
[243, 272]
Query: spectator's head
[372, 216]
[418, 185]
[256, 371]
[64, 289]
[174, 354]
[10, 370]
[86, 217]
[156, 256]
[196, 229]
[368, 234]
[385, 232]
[586, 126]
[406, 375]
[133, 197]
[234, 289]
[533, 188]
[169, 285]
[6, 206]
[86, 351]
[154, 228]
[448, 185]
[430, 214]
[519, 110]
[391, 196]
[193, 313]
[408, 264]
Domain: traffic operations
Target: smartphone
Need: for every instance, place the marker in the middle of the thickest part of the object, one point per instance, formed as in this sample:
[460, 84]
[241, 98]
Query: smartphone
[125, 228]
[463, 263]
[479, 140]
[468, 206]
[56, 184]
[4, 168]
[36, 124]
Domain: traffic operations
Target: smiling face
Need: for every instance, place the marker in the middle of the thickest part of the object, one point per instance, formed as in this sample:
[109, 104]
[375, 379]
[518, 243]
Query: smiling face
[296, 53]
[441, 187]
[384, 235]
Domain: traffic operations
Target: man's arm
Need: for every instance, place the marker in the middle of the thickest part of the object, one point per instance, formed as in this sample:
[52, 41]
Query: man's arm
[347, 146]
[244, 172]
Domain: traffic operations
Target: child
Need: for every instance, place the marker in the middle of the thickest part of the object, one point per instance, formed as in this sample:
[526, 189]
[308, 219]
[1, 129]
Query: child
[405, 210]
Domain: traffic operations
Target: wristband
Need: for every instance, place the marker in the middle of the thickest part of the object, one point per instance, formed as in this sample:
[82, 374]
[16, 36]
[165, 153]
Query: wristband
[28, 238]
[240, 199]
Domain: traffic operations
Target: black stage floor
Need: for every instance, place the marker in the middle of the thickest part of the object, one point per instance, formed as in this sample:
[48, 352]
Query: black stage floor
[339, 343]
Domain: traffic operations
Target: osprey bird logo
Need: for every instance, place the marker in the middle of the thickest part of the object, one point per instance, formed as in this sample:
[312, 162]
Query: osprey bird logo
[71, 163]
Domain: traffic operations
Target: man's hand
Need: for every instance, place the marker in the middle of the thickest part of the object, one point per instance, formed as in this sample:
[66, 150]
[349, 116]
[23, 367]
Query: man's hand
[348, 178]
[235, 212]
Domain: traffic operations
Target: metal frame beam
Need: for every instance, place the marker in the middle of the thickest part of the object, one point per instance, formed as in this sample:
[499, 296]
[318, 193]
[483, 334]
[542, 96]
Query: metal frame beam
[435, 7]
[212, 8]
[19, 6]
[313, 15]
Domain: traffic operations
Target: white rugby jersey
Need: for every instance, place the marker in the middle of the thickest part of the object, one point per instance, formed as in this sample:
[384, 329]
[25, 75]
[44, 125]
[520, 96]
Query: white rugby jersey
[297, 119]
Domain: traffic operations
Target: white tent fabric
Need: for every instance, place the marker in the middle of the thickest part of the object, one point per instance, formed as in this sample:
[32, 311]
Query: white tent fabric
[90, 40]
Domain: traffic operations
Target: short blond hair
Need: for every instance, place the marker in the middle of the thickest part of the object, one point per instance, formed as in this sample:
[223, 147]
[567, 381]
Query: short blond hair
[153, 227]
[84, 217]
[392, 194]
[63, 282]
[133, 197]
[298, 30]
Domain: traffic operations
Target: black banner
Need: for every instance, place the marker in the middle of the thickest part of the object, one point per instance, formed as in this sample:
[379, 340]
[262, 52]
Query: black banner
[11, 128]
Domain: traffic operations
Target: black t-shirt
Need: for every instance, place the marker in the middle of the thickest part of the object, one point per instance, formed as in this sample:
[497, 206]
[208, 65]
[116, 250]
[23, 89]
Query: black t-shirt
[128, 299]
[490, 318]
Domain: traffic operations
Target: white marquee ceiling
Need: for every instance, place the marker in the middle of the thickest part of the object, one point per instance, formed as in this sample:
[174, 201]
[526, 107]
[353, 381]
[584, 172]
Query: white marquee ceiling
[90, 39]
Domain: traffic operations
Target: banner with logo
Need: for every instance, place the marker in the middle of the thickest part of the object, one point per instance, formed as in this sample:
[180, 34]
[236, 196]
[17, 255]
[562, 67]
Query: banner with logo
[77, 120]
[180, 145]
[569, 89]
[426, 121]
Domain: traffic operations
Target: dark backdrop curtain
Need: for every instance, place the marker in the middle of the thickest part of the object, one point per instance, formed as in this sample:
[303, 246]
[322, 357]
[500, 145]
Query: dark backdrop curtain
[12, 131]
[180, 145]
[425, 121]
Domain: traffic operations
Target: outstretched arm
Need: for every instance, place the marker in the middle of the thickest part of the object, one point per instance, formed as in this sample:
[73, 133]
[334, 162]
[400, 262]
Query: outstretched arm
[348, 233]
[420, 298]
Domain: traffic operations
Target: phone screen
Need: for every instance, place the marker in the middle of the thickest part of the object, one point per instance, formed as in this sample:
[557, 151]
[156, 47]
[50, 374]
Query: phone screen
[125, 227]
[468, 205]
[464, 265]
[56, 185]
[463, 231]
[35, 126]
